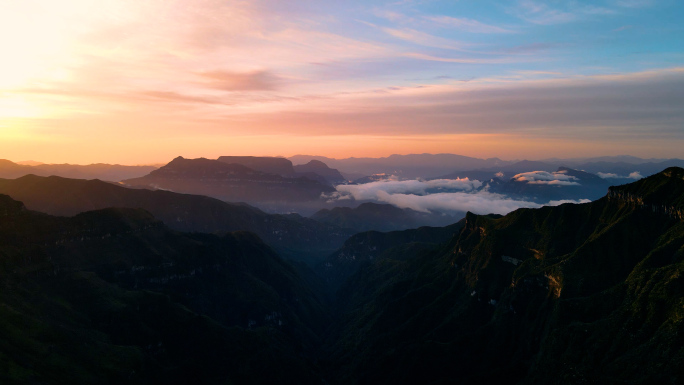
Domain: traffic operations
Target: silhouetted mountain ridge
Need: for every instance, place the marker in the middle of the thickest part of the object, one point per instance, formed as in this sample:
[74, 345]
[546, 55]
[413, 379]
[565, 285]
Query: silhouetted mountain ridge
[230, 182]
[111, 172]
[298, 238]
[113, 296]
[316, 166]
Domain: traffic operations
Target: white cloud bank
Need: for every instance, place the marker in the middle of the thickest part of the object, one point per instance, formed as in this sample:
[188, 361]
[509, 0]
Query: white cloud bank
[549, 178]
[415, 195]
[636, 175]
[417, 187]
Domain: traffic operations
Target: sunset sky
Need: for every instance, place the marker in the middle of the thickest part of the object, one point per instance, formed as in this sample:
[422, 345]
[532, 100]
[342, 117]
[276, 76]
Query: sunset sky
[143, 81]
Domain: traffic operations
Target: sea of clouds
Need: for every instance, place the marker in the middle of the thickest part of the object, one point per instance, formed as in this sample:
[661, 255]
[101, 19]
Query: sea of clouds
[441, 195]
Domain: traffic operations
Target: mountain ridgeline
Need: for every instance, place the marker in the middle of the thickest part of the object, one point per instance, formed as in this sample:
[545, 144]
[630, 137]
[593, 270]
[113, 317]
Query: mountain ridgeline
[317, 167]
[292, 235]
[232, 182]
[110, 172]
[572, 294]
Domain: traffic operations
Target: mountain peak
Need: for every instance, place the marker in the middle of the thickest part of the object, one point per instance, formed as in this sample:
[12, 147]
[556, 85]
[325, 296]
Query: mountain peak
[317, 164]
[674, 172]
[662, 191]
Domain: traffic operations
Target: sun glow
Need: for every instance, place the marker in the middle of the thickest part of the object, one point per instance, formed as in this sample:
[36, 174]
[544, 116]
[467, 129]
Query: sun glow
[41, 39]
[30, 42]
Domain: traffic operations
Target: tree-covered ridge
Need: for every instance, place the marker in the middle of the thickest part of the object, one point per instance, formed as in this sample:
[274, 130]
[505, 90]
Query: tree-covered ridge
[114, 296]
[585, 293]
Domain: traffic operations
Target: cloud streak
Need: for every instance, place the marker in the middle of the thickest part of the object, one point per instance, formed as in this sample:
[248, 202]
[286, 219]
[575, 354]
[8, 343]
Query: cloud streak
[546, 178]
[424, 39]
[241, 81]
[468, 25]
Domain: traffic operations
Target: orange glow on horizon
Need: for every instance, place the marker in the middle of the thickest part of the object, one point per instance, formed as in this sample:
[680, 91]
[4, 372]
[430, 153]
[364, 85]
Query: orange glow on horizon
[17, 147]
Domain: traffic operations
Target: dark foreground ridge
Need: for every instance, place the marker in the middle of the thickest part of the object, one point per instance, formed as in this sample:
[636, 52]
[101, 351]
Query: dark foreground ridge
[573, 294]
[114, 296]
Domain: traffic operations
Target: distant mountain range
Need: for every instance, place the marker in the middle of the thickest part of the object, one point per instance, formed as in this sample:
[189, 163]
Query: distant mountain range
[333, 171]
[430, 166]
[230, 182]
[332, 175]
[405, 166]
[110, 172]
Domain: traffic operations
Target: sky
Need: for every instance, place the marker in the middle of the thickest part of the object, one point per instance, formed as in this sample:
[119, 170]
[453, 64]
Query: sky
[144, 81]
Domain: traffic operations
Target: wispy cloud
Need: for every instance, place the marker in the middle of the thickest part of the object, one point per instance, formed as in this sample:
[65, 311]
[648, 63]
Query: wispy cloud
[468, 25]
[533, 72]
[540, 13]
[530, 48]
[617, 108]
[634, 3]
[424, 39]
[391, 15]
[241, 81]
[462, 60]
[545, 14]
